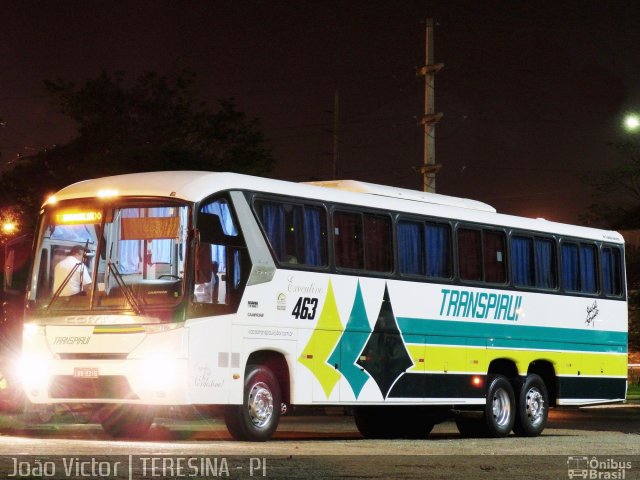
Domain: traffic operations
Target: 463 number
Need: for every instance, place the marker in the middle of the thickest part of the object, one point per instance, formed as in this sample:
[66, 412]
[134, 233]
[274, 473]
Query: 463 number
[305, 308]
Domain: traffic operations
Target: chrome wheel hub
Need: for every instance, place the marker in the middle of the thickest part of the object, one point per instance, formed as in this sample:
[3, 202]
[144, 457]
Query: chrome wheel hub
[260, 403]
[535, 406]
[501, 408]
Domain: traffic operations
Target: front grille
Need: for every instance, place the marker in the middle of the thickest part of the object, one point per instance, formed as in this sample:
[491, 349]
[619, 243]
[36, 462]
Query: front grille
[107, 387]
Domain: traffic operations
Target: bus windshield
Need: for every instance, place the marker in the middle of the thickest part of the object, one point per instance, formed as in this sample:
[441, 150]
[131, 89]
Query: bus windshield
[119, 258]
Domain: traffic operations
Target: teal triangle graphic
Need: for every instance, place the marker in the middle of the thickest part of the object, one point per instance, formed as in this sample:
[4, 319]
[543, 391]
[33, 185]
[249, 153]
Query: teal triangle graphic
[350, 345]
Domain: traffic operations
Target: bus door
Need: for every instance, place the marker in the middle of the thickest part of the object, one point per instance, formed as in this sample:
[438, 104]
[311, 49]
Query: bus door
[222, 262]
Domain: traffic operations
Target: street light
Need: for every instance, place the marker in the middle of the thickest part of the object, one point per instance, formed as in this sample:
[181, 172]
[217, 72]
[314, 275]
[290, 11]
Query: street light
[632, 122]
[9, 227]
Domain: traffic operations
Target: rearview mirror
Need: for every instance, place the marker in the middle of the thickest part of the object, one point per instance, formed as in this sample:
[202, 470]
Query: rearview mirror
[210, 229]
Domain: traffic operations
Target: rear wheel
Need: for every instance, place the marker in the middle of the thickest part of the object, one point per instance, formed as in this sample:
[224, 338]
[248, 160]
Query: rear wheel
[499, 412]
[533, 407]
[257, 418]
[127, 421]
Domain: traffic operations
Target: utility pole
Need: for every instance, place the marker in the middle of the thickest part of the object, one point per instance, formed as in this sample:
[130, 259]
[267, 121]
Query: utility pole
[336, 125]
[429, 167]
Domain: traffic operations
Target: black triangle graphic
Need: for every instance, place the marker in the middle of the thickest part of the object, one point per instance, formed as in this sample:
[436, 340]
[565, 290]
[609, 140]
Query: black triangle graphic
[385, 355]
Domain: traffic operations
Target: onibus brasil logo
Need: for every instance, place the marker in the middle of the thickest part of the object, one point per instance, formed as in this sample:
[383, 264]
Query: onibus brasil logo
[596, 468]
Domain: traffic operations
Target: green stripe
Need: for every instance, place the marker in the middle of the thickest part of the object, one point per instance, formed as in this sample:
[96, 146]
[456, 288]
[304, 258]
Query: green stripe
[478, 334]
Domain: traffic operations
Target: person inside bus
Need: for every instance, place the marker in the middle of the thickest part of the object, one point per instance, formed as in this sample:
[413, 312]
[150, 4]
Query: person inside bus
[79, 281]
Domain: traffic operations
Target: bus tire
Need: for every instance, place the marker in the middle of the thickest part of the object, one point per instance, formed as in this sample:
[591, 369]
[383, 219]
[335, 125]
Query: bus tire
[257, 418]
[372, 422]
[471, 427]
[127, 421]
[393, 422]
[533, 407]
[500, 409]
[498, 416]
[414, 423]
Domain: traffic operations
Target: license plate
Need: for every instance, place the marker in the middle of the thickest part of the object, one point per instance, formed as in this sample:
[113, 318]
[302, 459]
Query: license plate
[86, 372]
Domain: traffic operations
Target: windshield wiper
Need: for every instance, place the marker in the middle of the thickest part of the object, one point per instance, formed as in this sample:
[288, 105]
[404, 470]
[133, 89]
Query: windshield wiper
[126, 289]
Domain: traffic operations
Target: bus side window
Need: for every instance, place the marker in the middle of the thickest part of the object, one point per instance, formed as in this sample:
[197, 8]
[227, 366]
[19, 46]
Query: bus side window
[579, 268]
[347, 240]
[611, 272]
[522, 261]
[297, 233]
[494, 256]
[470, 254]
[378, 255]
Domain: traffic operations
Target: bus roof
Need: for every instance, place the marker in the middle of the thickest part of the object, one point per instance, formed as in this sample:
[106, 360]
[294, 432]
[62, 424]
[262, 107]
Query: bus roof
[404, 193]
[194, 186]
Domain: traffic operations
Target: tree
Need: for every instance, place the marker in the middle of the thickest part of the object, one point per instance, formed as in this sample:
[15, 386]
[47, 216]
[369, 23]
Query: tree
[618, 190]
[153, 124]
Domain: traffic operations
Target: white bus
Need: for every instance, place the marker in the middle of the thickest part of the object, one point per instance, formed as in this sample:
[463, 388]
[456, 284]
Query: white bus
[221, 291]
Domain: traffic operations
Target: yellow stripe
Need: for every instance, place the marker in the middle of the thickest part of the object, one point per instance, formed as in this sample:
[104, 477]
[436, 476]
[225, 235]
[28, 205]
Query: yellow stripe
[118, 329]
[428, 358]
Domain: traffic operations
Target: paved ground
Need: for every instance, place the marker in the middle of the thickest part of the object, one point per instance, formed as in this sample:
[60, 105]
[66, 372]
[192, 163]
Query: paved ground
[330, 447]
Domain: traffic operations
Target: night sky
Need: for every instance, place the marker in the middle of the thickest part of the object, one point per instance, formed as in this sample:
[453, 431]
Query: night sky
[531, 91]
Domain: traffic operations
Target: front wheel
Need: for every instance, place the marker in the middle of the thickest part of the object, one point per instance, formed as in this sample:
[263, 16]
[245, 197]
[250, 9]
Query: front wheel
[533, 407]
[257, 418]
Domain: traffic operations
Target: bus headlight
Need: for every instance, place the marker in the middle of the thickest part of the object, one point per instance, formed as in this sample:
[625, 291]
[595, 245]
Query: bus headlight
[159, 372]
[34, 372]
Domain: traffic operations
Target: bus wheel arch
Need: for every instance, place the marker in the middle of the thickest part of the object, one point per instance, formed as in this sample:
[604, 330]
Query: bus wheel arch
[277, 363]
[503, 366]
[546, 371]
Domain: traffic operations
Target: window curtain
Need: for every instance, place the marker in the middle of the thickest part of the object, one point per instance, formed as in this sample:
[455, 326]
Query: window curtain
[521, 265]
[129, 251]
[314, 239]
[161, 248]
[273, 221]
[588, 280]
[437, 250]
[570, 267]
[294, 245]
[545, 269]
[410, 251]
[607, 274]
